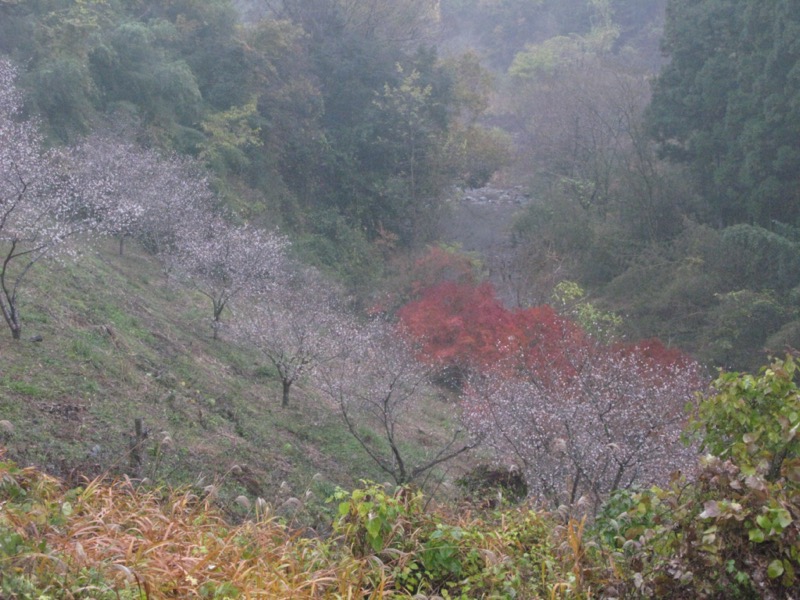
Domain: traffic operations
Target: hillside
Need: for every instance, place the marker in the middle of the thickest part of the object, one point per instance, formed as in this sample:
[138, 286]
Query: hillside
[373, 246]
[732, 532]
[119, 342]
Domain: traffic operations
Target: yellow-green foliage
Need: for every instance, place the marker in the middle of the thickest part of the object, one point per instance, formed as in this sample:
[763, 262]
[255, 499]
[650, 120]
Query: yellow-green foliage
[516, 552]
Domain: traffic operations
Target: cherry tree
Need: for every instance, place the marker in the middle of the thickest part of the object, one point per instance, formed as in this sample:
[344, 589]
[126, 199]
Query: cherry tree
[117, 182]
[297, 329]
[375, 384]
[167, 203]
[612, 421]
[223, 261]
[37, 205]
[178, 201]
[132, 191]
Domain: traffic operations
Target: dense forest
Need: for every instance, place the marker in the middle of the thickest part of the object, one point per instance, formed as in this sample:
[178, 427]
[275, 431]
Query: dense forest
[663, 182]
[524, 257]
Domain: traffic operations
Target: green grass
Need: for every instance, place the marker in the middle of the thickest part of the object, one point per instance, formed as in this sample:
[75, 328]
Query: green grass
[23, 388]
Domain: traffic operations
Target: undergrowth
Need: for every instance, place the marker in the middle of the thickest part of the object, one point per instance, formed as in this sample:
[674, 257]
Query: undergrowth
[729, 530]
[112, 539]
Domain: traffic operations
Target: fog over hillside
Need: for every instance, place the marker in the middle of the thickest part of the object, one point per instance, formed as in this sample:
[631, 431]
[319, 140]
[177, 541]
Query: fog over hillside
[399, 298]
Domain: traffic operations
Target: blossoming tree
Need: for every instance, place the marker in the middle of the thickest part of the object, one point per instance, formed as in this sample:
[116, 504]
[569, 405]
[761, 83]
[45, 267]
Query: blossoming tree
[613, 420]
[223, 261]
[375, 384]
[38, 212]
[297, 328]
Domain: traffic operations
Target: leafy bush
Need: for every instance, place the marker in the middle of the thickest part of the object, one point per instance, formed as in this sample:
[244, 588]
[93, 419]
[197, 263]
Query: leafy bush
[734, 532]
[502, 554]
[371, 519]
[753, 421]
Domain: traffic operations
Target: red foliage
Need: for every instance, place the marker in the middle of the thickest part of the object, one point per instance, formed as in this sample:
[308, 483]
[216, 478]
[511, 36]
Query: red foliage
[654, 351]
[460, 325]
[466, 326]
[550, 343]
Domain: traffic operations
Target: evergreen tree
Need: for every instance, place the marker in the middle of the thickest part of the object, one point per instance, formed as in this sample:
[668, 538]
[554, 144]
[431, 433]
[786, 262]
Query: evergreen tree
[728, 105]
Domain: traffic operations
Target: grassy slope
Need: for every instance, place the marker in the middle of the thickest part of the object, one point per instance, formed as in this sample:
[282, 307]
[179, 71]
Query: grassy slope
[121, 342]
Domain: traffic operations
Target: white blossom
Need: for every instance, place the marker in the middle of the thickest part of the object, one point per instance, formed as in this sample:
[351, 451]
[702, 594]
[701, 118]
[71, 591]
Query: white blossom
[615, 423]
[297, 327]
[38, 211]
[224, 261]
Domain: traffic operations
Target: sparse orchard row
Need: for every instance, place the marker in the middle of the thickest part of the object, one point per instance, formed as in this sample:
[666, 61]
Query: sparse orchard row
[54, 203]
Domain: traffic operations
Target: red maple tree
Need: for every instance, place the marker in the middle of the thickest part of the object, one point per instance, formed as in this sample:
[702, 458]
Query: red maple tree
[460, 325]
[466, 326]
[579, 417]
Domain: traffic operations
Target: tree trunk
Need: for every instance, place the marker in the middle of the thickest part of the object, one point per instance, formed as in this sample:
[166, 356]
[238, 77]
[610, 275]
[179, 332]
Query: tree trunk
[11, 318]
[218, 308]
[287, 384]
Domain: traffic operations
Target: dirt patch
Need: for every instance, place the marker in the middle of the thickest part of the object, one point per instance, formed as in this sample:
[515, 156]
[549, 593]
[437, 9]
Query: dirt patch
[69, 411]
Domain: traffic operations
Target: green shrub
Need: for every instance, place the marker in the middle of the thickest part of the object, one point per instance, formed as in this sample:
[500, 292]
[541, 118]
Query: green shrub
[371, 519]
[753, 421]
[501, 554]
[734, 531]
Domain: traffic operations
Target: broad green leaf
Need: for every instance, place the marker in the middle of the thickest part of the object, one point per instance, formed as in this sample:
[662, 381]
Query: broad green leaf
[756, 535]
[775, 569]
[374, 527]
[784, 518]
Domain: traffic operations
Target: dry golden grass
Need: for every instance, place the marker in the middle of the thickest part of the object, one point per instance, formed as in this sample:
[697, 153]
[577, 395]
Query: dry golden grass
[112, 539]
[169, 544]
